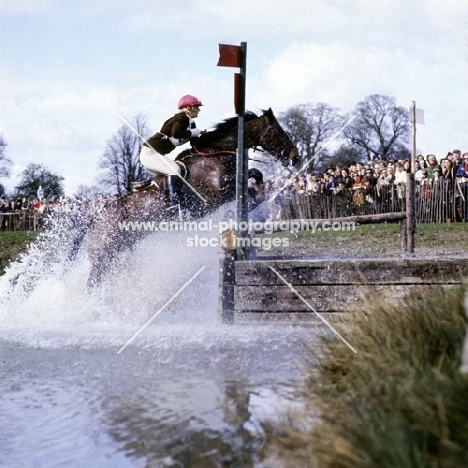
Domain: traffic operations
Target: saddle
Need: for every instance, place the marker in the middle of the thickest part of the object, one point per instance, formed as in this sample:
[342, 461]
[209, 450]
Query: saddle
[158, 181]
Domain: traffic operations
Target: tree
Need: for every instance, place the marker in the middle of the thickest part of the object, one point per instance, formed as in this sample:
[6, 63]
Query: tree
[380, 129]
[35, 176]
[5, 163]
[310, 126]
[88, 191]
[121, 157]
[344, 154]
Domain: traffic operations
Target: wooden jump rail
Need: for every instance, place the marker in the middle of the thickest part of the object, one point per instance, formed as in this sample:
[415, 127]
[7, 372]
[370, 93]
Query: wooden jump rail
[229, 266]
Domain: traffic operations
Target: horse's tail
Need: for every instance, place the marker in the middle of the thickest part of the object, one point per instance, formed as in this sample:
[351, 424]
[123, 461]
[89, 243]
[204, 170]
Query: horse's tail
[78, 240]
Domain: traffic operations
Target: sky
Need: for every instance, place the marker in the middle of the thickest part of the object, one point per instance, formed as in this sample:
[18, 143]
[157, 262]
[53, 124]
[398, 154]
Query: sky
[68, 69]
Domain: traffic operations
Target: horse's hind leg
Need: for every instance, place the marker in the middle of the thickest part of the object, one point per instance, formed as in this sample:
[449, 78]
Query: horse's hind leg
[77, 241]
[98, 270]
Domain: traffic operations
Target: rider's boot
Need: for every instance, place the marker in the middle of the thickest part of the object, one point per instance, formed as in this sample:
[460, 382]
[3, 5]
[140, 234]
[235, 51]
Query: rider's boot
[173, 193]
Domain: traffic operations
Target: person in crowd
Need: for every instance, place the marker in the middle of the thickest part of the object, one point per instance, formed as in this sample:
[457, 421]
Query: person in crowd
[17, 204]
[268, 189]
[462, 168]
[25, 206]
[437, 179]
[302, 181]
[400, 179]
[296, 186]
[369, 183]
[369, 177]
[424, 184]
[322, 183]
[338, 168]
[462, 180]
[331, 184]
[347, 179]
[431, 165]
[5, 206]
[36, 204]
[390, 175]
[457, 158]
[462, 171]
[418, 171]
[312, 183]
[422, 161]
[383, 165]
[447, 169]
[382, 179]
[359, 190]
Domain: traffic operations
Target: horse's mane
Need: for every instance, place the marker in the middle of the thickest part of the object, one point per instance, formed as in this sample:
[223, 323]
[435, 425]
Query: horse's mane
[229, 124]
[221, 130]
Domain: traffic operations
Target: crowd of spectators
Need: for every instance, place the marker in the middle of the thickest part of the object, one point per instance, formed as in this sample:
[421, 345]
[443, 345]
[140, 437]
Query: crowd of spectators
[35, 214]
[378, 173]
[368, 177]
[366, 181]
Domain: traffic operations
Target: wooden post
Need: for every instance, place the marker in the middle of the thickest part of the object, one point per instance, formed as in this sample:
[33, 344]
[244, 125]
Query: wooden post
[410, 187]
[403, 235]
[242, 164]
[226, 286]
[410, 212]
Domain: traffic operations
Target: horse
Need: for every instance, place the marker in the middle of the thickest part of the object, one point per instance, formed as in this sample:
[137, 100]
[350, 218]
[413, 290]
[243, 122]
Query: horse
[211, 172]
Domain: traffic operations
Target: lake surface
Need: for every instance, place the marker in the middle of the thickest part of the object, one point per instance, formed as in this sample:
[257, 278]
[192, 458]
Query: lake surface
[187, 392]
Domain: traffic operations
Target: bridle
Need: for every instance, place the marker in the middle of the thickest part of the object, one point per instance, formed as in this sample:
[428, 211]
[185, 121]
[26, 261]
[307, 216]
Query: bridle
[275, 149]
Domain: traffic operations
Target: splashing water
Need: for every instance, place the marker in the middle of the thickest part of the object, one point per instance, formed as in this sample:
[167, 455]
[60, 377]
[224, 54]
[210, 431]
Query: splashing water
[188, 388]
[44, 293]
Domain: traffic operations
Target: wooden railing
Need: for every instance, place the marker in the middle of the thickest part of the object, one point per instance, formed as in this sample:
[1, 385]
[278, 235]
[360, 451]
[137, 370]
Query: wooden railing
[439, 202]
[434, 203]
[21, 221]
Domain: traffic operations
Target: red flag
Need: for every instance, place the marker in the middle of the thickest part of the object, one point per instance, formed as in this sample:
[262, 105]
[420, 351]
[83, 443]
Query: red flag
[229, 55]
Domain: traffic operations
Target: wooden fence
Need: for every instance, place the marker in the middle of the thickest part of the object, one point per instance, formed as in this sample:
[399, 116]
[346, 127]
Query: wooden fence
[21, 221]
[435, 203]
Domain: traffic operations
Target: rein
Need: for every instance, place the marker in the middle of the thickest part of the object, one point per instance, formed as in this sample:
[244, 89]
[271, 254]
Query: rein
[213, 153]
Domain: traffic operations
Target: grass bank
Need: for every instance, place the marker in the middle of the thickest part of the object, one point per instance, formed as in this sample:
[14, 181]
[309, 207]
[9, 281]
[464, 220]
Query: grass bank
[400, 402]
[374, 240]
[12, 244]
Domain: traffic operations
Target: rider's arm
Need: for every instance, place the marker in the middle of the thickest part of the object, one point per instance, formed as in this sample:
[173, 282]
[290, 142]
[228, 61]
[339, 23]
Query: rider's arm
[180, 127]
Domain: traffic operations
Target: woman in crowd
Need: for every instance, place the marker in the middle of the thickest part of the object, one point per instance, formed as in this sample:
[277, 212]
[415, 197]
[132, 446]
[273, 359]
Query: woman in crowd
[447, 169]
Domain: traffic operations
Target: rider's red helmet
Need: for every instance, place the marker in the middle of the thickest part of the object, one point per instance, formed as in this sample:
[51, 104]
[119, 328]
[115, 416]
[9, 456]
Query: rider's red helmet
[189, 100]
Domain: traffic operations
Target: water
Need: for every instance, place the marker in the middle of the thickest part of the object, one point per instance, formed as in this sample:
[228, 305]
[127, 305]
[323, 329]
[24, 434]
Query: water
[187, 392]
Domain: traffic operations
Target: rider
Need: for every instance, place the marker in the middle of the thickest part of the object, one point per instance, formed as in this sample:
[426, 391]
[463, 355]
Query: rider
[175, 131]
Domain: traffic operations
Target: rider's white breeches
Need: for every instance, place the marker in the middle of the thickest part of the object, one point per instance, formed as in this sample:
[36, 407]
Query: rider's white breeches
[157, 163]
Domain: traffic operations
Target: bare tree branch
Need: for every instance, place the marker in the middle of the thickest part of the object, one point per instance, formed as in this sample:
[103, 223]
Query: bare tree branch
[381, 127]
[310, 126]
[121, 158]
[5, 162]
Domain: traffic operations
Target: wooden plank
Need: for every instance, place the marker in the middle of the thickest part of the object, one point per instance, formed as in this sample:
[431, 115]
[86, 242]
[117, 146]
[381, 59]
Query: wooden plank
[291, 317]
[323, 298]
[352, 271]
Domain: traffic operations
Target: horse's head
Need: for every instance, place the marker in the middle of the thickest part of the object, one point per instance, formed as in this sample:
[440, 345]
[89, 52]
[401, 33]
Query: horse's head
[274, 139]
[260, 131]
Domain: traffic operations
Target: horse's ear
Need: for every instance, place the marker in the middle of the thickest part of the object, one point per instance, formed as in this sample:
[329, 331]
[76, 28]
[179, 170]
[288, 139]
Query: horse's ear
[269, 113]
